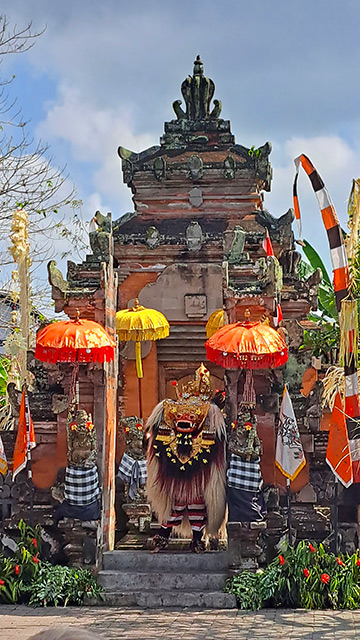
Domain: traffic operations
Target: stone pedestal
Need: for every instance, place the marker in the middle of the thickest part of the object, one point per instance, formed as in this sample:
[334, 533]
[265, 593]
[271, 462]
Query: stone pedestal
[243, 550]
[80, 541]
[139, 515]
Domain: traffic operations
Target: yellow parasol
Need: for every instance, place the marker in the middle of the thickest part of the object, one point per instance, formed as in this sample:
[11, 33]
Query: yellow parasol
[217, 320]
[140, 324]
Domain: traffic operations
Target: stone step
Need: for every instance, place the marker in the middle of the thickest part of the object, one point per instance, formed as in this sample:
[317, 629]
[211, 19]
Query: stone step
[157, 599]
[127, 581]
[170, 561]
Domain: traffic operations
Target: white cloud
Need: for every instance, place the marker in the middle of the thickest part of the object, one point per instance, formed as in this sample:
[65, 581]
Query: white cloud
[94, 135]
[337, 164]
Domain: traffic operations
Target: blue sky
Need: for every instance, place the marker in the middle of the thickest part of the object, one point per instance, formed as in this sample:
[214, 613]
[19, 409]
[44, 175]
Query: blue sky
[105, 74]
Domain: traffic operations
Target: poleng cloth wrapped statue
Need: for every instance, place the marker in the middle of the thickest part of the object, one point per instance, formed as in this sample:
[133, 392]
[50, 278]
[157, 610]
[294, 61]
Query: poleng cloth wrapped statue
[186, 461]
[244, 480]
[81, 491]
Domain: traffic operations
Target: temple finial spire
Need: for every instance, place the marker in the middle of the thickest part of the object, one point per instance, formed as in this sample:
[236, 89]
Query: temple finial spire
[198, 67]
[198, 91]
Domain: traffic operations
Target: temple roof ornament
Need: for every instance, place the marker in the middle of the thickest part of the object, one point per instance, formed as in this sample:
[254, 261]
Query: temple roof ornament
[198, 91]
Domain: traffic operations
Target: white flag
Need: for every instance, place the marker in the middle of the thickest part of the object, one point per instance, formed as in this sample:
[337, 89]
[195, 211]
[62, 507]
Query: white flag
[289, 457]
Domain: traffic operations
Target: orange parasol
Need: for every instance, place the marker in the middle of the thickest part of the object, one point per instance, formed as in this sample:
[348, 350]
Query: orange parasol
[247, 345]
[74, 341]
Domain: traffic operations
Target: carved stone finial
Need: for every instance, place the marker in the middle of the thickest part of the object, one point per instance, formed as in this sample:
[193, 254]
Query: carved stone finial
[56, 278]
[198, 67]
[101, 239]
[198, 92]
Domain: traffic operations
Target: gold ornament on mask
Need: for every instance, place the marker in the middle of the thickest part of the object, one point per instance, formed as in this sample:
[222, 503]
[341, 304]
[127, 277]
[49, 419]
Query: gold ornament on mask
[181, 433]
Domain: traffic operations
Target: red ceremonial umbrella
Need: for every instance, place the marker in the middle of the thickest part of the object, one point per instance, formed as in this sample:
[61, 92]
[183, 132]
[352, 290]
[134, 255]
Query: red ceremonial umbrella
[74, 341]
[247, 345]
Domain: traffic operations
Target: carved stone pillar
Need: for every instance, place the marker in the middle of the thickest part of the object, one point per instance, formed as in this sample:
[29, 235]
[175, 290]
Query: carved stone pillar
[243, 550]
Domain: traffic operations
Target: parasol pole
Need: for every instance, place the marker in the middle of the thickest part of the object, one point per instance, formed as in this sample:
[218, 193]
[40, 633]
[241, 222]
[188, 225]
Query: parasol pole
[335, 516]
[140, 374]
[288, 498]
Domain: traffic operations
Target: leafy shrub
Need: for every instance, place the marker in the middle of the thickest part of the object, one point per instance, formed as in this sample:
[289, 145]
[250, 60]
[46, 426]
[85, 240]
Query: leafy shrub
[25, 578]
[306, 576]
[57, 585]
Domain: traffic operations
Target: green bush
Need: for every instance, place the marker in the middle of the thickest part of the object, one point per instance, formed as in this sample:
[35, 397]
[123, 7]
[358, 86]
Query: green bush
[25, 578]
[306, 576]
[57, 585]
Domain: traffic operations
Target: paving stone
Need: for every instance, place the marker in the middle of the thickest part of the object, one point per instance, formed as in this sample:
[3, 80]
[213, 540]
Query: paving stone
[128, 623]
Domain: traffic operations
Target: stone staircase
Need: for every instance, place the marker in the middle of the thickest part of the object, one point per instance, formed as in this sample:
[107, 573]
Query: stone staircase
[166, 579]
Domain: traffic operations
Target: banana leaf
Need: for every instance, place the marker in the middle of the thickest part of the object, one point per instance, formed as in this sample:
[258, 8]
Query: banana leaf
[316, 261]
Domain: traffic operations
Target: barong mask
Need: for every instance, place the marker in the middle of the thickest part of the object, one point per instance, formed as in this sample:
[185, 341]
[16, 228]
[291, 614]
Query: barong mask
[182, 431]
[81, 439]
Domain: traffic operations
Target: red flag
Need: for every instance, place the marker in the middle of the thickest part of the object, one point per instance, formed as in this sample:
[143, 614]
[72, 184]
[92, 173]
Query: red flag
[267, 246]
[278, 315]
[338, 454]
[25, 439]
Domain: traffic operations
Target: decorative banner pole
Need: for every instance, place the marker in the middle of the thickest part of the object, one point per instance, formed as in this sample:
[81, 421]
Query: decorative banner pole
[289, 456]
[19, 250]
[345, 302]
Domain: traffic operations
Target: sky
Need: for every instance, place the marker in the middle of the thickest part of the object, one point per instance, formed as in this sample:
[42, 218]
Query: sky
[106, 73]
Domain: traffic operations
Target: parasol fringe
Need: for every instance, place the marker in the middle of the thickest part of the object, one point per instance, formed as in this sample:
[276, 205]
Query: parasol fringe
[247, 360]
[140, 335]
[50, 354]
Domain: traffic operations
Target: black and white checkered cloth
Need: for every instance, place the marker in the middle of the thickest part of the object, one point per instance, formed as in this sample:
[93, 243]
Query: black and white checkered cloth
[133, 472]
[81, 485]
[243, 474]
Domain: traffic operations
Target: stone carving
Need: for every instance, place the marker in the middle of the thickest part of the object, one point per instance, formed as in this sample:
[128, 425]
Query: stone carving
[159, 168]
[195, 197]
[195, 305]
[132, 469]
[128, 171]
[56, 278]
[272, 277]
[59, 403]
[314, 407]
[198, 92]
[275, 224]
[257, 160]
[100, 240]
[194, 236]
[152, 237]
[195, 165]
[81, 439]
[244, 440]
[234, 244]
[229, 168]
